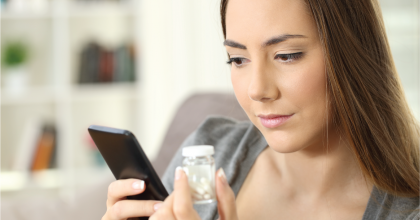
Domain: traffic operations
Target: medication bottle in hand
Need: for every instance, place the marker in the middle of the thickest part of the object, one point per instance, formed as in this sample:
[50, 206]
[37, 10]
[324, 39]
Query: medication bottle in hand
[199, 166]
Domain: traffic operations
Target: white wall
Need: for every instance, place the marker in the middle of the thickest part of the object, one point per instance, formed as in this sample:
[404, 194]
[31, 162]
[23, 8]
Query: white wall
[402, 25]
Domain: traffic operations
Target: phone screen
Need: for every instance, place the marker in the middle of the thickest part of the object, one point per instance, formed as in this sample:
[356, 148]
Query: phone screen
[126, 159]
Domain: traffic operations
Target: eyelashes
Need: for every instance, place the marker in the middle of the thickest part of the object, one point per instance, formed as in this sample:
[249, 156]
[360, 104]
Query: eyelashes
[236, 60]
[287, 58]
[282, 58]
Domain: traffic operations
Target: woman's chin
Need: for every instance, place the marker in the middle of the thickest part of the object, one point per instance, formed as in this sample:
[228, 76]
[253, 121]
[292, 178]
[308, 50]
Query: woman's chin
[285, 141]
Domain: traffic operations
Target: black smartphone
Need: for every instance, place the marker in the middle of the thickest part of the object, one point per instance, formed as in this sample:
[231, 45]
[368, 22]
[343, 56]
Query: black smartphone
[126, 159]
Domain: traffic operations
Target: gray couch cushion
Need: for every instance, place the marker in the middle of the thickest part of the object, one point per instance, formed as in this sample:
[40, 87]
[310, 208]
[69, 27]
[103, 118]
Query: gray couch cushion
[190, 114]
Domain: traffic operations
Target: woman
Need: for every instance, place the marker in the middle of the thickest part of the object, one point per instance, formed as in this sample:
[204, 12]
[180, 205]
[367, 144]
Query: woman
[331, 135]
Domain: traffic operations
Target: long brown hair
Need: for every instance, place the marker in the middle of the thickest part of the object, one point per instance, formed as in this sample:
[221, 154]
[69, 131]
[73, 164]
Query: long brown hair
[366, 95]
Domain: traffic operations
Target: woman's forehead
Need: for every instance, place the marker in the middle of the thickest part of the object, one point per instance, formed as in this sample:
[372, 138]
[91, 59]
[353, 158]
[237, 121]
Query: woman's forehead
[259, 20]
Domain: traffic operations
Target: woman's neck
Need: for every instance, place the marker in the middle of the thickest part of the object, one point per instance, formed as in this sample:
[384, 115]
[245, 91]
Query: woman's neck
[321, 169]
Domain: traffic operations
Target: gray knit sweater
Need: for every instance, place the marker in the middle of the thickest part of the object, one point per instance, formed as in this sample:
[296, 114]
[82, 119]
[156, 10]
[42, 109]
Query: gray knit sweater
[237, 146]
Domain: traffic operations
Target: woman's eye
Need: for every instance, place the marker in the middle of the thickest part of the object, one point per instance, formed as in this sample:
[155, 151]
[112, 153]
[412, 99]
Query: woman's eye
[286, 58]
[238, 61]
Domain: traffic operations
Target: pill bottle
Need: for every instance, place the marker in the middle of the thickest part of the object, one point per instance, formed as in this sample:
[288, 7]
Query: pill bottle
[199, 166]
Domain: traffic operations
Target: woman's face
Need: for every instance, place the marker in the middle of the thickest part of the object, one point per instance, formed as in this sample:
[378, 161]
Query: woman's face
[278, 72]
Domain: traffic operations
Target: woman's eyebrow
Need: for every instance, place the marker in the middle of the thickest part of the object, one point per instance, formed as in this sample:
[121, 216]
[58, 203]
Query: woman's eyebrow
[234, 44]
[281, 38]
[271, 41]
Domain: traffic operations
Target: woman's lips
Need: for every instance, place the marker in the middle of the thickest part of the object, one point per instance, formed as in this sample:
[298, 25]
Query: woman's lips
[272, 121]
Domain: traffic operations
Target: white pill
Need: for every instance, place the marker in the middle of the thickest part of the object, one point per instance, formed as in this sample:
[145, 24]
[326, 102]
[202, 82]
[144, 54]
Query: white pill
[204, 180]
[207, 196]
[200, 190]
[206, 187]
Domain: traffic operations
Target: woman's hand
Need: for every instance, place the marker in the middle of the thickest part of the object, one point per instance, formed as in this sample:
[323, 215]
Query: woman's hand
[119, 208]
[179, 205]
[226, 203]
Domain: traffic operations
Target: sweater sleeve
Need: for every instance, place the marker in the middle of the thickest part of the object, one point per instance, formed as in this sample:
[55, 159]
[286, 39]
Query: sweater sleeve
[385, 206]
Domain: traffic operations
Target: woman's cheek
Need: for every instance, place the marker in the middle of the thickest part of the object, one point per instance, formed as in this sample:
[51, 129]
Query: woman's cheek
[306, 90]
[304, 84]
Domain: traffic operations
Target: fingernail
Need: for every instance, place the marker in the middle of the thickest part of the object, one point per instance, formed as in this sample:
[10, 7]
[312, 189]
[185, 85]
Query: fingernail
[138, 184]
[157, 206]
[222, 175]
[178, 173]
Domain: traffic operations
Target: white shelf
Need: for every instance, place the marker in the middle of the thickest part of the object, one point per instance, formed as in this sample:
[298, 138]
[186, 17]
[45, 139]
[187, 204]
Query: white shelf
[13, 180]
[10, 15]
[78, 93]
[97, 9]
[103, 91]
[71, 106]
[49, 179]
[29, 96]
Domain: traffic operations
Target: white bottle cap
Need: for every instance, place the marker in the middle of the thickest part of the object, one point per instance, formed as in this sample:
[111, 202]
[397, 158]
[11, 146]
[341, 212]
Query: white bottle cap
[198, 151]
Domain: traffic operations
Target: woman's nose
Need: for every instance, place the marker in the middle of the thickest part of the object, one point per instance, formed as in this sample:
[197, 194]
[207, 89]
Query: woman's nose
[262, 87]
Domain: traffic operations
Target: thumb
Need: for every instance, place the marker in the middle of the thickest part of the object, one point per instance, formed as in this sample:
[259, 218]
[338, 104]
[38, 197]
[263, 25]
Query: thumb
[225, 198]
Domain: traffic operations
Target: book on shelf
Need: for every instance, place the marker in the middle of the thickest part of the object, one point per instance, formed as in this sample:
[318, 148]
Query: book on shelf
[106, 66]
[46, 144]
[27, 146]
[38, 147]
[100, 65]
[124, 64]
[89, 63]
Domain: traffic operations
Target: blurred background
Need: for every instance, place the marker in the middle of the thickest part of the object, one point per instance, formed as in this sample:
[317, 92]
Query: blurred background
[67, 64]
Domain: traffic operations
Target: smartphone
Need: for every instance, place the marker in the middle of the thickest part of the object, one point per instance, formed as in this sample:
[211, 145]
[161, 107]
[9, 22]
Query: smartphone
[126, 159]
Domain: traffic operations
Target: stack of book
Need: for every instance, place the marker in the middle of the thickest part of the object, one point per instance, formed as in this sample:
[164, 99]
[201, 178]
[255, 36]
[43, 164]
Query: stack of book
[99, 65]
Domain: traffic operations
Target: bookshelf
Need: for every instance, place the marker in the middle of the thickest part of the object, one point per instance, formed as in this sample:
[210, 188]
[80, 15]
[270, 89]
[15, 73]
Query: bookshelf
[56, 35]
